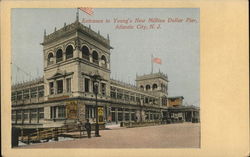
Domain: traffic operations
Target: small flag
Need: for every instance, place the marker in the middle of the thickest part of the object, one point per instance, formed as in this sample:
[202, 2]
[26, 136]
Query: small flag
[87, 10]
[156, 60]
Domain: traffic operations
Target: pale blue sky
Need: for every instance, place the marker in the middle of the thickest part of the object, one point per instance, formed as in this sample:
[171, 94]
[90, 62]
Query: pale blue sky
[177, 44]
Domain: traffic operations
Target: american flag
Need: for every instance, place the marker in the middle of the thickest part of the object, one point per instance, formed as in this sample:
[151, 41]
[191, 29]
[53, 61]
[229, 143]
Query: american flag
[156, 60]
[87, 10]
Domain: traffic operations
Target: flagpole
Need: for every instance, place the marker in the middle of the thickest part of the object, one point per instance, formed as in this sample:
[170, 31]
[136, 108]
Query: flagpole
[77, 14]
[152, 64]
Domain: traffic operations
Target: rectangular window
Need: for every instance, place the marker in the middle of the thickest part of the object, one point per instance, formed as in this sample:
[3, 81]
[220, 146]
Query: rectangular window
[19, 115]
[33, 114]
[113, 92]
[103, 88]
[41, 113]
[86, 84]
[153, 101]
[132, 98]
[120, 116]
[19, 95]
[13, 115]
[33, 92]
[25, 114]
[40, 91]
[90, 112]
[126, 97]
[151, 116]
[133, 116]
[26, 94]
[68, 84]
[13, 96]
[113, 116]
[156, 116]
[119, 95]
[146, 116]
[164, 102]
[59, 86]
[126, 116]
[53, 112]
[138, 100]
[51, 88]
[142, 99]
[112, 109]
[61, 112]
[150, 100]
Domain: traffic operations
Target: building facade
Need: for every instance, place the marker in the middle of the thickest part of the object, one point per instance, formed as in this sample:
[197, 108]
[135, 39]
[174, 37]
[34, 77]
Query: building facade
[65, 93]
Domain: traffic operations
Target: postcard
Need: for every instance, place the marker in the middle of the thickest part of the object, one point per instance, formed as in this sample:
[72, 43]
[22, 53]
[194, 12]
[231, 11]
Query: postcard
[149, 79]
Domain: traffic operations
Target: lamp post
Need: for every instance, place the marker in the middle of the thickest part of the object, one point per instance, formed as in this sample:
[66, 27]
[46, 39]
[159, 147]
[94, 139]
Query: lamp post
[95, 78]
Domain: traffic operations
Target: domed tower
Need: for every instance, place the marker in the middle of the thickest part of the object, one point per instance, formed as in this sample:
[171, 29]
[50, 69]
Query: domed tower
[155, 83]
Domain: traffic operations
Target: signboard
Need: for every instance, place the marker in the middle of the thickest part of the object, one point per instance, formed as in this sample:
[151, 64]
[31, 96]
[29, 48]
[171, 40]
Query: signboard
[71, 109]
[58, 98]
[100, 115]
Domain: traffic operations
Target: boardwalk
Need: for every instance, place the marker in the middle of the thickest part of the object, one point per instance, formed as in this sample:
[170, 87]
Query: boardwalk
[184, 135]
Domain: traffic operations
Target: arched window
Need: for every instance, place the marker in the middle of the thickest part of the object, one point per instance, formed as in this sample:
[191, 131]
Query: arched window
[155, 86]
[104, 61]
[95, 57]
[50, 58]
[147, 87]
[59, 55]
[162, 87]
[69, 52]
[85, 53]
[142, 87]
[164, 101]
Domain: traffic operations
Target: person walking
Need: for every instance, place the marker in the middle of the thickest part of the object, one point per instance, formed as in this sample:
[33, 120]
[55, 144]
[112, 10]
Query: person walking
[88, 128]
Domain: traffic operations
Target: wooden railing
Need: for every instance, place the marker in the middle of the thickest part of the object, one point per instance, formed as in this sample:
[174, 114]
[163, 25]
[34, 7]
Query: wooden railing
[53, 133]
[141, 124]
[49, 133]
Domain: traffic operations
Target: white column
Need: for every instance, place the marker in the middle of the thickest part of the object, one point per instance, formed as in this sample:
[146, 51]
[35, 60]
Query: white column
[123, 114]
[129, 115]
[37, 113]
[64, 55]
[90, 58]
[29, 115]
[91, 86]
[83, 84]
[99, 61]
[56, 108]
[64, 86]
[76, 53]
[116, 115]
[55, 87]
[22, 116]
